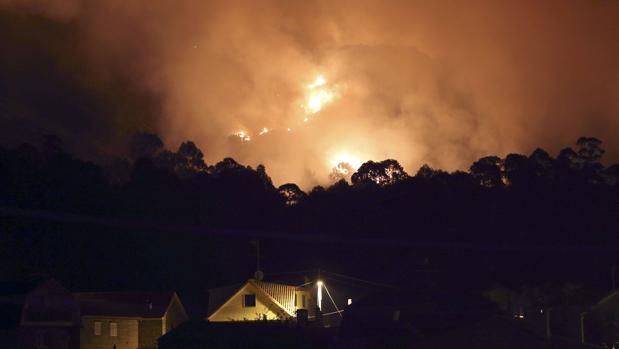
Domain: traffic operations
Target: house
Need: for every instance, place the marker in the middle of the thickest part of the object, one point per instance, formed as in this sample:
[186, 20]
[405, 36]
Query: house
[38, 313]
[600, 324]
[259, 300]
[127, 320]
[392, 318]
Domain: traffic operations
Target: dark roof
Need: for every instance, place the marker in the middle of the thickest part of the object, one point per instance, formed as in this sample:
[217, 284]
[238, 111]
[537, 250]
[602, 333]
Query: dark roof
[490, 333]
[11, 288]
[125, 304]
[12, 296]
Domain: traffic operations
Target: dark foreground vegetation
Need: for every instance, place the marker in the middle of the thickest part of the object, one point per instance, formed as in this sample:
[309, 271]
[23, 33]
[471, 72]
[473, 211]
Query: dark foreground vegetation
[570, 198]
[162, 219]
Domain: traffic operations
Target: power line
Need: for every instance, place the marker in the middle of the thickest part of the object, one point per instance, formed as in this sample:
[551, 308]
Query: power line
[115, 222]
[332, 301]
[360, 280]
[290, 272]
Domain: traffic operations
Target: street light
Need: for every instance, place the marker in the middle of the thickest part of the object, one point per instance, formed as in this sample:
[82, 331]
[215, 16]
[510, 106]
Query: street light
[319, 284]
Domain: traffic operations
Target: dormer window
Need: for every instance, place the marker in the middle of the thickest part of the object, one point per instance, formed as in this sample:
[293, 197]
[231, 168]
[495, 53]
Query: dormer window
[249, 300]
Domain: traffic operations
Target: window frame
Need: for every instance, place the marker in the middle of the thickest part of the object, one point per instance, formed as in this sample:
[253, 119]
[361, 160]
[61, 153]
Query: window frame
[113, 329]
[97, 328]
[245, 303]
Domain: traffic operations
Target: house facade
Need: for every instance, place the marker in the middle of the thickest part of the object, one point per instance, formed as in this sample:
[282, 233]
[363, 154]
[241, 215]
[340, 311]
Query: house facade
[38, 314]
[125, 320]
[258, 300]
[600, 324]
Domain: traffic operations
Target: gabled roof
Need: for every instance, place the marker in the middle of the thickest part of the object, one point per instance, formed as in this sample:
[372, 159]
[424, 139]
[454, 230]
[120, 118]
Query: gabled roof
[280, 295]
[13, 294]
[125, 304]
[21, 288]
[606, 298]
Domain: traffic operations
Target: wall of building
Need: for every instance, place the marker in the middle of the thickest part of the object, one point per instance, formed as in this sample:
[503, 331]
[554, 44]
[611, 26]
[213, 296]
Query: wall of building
[175, 315]
[233, 310]
[33, 337]
[127, 334]
[150, 331]
[601, 325]
[50, 318]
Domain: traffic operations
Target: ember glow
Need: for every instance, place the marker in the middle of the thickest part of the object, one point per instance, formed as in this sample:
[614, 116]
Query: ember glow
[244, 136]
[346, 158]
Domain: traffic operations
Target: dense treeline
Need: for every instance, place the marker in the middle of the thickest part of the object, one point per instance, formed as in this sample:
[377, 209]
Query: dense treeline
[537, 198]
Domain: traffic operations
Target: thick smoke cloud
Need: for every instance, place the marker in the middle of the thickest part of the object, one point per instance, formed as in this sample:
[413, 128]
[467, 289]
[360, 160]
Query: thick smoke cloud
[437, 82]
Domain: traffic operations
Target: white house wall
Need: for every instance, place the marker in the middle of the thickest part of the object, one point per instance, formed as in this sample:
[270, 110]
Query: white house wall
[233, 309]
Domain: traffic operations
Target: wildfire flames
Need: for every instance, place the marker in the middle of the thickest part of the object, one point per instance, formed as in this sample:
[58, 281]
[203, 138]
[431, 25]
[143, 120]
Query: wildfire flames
[318, 96]
[243, 136]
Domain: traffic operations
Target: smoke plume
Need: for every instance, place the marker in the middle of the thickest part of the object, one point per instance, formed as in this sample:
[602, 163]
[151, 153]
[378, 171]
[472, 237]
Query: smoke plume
[437, 82]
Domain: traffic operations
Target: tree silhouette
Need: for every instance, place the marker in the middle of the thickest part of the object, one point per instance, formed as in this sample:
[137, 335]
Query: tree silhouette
[144, 145]
[487, 171]
[589, 150]
[291, 193]
[381, 173]
[190, 160]
[343, 170]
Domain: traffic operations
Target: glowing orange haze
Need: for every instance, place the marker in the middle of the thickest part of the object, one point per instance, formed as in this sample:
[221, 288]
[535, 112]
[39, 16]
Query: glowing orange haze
[302, 85]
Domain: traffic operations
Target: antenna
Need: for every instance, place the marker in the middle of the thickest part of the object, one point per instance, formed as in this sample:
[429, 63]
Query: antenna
[258, 275]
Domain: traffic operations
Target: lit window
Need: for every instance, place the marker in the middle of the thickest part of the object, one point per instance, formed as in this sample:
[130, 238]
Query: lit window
[113, 329]
[97, 328]
[250, 300]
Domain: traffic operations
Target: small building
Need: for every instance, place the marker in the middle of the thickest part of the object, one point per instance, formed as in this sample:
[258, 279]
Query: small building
[38, 313]
[600, 324]
[258, 300]
[127, 320]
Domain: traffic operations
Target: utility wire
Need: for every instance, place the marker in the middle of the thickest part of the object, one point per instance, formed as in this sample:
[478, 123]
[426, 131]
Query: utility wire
[332, 301]
[350, 283]
[117, 222]
[360, 280]
[290, 272]
[334, 312]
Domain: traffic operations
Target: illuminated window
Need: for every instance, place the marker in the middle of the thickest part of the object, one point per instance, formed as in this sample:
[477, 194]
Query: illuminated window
[113, 329]
[250, 300]
[97, 328]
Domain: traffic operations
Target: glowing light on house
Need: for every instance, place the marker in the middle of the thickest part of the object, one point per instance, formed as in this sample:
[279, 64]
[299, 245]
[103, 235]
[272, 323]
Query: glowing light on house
[263, 131]
[319, 284]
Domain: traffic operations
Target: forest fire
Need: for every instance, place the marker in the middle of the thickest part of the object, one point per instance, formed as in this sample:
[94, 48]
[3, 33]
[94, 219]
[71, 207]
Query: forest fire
[346, 158]
[318, 96]
[244, 136]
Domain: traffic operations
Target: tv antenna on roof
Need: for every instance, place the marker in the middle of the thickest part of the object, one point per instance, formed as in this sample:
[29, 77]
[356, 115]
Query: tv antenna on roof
[258, 275]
